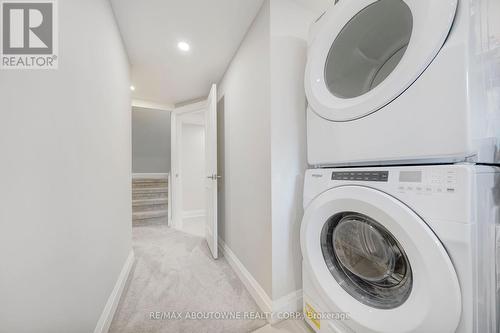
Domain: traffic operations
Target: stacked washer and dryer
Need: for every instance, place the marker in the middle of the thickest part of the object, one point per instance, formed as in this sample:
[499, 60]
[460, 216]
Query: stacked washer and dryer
[402, 201]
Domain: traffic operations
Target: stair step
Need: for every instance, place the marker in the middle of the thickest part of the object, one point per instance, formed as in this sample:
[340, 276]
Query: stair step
[148, 208]
[145, 196]
[149, 214]
[150, 180]
[149, 201]
[149, 185]
[150, 190]
[152, 221]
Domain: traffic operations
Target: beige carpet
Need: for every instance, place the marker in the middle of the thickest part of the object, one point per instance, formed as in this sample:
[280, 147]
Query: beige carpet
[286, 326]
[174, 272]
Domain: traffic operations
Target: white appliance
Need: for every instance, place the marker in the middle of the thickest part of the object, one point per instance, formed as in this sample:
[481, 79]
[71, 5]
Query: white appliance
[401, 249]
[392, 81]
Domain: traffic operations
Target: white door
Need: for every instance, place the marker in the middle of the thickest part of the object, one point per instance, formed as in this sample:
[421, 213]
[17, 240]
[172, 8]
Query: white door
[211, 171]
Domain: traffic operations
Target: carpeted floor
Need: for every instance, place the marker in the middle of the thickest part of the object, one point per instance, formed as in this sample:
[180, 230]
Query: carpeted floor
[174, 272]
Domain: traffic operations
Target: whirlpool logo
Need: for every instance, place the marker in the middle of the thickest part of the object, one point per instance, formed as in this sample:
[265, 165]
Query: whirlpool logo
[29, 34]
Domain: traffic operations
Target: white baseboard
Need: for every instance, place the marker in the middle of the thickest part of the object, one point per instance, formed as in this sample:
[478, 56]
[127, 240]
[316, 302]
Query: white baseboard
[189, 214]
[254, 288]
[112, 303]
[288, 303]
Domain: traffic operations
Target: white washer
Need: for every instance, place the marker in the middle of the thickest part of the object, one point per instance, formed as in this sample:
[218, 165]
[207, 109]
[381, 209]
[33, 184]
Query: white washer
[401, 249]
[391, 81]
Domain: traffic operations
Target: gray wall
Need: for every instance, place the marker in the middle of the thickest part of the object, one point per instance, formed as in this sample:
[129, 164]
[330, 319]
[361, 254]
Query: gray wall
[248, 152]
[289, 29]
[264, 153]
[150, 141]
[65, 192]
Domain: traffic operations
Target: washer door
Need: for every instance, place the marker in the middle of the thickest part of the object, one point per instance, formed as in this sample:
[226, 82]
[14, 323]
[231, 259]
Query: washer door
[374, 258]
[367, 52]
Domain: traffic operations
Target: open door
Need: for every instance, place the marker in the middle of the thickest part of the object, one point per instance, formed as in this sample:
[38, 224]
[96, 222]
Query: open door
[211, 171]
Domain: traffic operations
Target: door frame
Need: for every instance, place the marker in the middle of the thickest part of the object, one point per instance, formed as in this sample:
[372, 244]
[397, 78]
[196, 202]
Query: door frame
[211, 172]
[176, 157]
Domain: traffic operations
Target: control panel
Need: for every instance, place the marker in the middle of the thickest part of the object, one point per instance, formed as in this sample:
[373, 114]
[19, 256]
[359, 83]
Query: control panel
[439, 192]
[406, 181]
[366, 176]
[428, 182]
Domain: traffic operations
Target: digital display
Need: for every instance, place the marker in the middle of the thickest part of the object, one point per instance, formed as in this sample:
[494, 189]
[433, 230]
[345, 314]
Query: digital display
[410, 176]
[366, 176]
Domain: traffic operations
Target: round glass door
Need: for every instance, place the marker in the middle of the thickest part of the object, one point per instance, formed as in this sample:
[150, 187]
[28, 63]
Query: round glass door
[363, 54]
[368, 48]
[372, 256]
[366, 260]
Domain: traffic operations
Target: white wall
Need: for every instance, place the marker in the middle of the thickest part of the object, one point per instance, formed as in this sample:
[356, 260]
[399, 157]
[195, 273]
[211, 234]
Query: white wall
[193, 168]
[65, 193]
[265, 149]
[246, 89]
[150, 141]
[289, 30]
[316, 7]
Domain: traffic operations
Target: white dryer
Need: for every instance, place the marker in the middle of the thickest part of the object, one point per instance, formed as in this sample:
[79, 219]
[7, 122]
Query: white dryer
[391, 81]
[401, 249]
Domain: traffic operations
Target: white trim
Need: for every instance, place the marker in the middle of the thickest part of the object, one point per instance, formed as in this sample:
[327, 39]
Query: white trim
[149, 175]
[254, 288]
[198, 106]
[288, 303]
[175, 190]
[191, 101]
[188, 214]
[169, 198]
[291, 302]
[112, 303]
[194, 122]
[138, 103]
[178, 116]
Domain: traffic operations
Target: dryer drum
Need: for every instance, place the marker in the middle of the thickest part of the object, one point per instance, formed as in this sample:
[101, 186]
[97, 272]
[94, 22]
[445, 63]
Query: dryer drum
[368, 48]
[366, 260]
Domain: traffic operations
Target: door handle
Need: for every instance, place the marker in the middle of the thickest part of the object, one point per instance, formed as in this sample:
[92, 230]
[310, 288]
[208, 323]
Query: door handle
[214, 177]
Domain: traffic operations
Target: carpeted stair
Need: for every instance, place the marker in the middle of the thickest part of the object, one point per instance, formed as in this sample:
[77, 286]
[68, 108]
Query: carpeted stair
[149, 200]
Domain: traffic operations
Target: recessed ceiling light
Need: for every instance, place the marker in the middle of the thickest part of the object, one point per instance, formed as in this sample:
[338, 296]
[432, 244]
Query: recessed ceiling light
[183, 46]
[132, 88]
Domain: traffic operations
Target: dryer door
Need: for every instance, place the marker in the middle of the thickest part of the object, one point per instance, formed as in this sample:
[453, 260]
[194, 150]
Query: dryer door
[367, 52]
[375, 259]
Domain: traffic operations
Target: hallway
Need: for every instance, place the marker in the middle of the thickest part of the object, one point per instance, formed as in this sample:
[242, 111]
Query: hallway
[174, 272]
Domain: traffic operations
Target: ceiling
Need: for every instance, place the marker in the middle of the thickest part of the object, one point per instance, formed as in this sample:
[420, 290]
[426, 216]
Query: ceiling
[151, 29]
